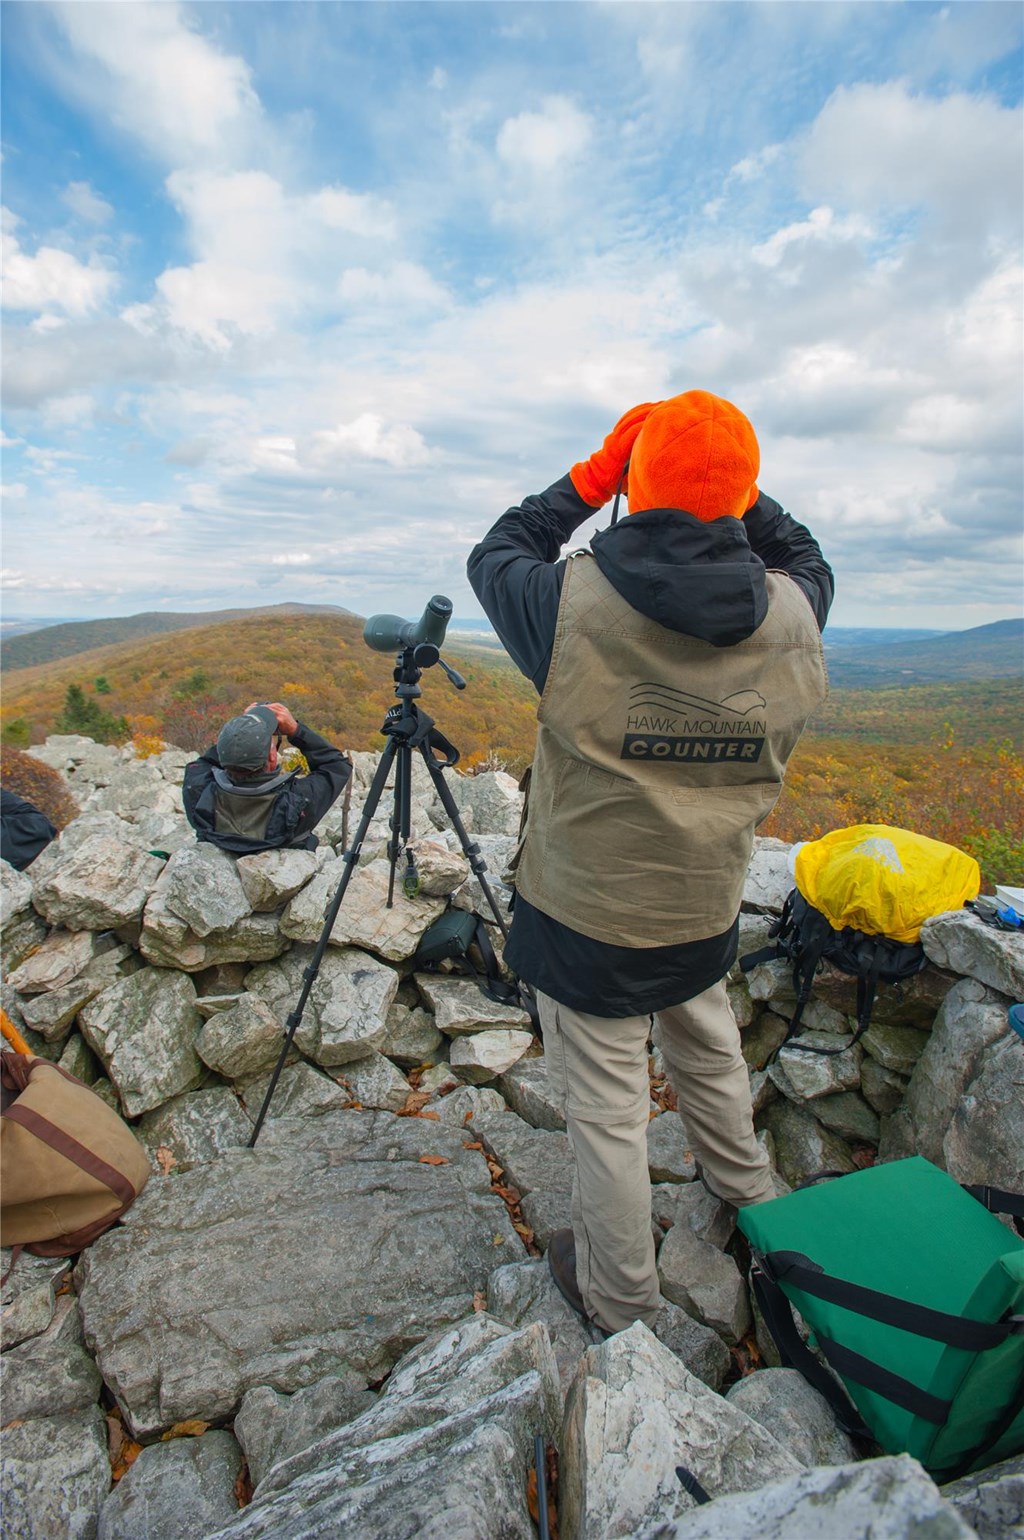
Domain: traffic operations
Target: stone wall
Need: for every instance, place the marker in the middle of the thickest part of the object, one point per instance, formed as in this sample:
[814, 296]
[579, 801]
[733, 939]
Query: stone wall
[371, 1267]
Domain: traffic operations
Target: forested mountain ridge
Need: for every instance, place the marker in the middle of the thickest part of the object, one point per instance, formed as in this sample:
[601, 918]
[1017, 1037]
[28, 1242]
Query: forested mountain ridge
[75, 636]
[994, 651]
[944, 758]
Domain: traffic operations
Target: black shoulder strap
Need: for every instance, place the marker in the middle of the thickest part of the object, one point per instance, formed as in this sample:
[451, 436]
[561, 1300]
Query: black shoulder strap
[497, 988]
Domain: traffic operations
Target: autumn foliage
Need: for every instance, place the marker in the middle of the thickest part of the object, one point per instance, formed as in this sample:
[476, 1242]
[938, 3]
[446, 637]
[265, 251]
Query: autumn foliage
[39, 784]
[944, 759]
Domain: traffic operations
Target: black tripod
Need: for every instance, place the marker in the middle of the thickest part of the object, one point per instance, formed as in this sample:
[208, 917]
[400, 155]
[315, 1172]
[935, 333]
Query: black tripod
[406, 728]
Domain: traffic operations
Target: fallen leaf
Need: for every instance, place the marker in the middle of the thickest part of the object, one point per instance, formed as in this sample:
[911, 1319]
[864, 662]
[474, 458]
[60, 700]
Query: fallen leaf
[192, 1427]
[469, 1116]
[480, 1300]
[243, 1487]
[165, 1159]
[412, 1104]
[433, 1160]
[469, 1145]
[435, 1117]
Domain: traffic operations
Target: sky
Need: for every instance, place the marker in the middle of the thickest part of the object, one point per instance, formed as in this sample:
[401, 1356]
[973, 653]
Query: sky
[299, 298]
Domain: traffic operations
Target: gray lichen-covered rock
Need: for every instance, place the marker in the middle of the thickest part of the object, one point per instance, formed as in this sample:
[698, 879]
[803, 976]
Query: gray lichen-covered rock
[168, 942]
[669, 1156]
[961, 943]
[704, 1281]
[697, 1346]
[483, 1056]
[347, 1010]
[769, 878]
[848, 1115]
[894, 1046]
[410, 1036]
[48, 1377]
[992, 1500]
[374, 1081]
[416, 1239]
[765, 1034]
[985, 1140]
[460, 1006]
[98, 885]
[443, 1452]
[179, 1490]
[15, 894]
[495, 800]
[887, 1499]
[528, 1091]
[883, 1089]
[439, 869]
[191, 1129]
[301, 1092]
[271, 878]
[54, 1476]
[970, 1019]
[364, 919]
[459, 1108]
[243, 1040]
[200, 884]
[272, 1427]
[803, 1075]
[143, 1029]
[802, 1420]
[690, 1203]
[522, 1293]
[802, 1145]
[632, 1415]
[56, 962]
[27, 1298]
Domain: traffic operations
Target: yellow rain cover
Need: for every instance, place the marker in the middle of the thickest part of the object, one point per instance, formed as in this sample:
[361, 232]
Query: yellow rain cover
[884, 881]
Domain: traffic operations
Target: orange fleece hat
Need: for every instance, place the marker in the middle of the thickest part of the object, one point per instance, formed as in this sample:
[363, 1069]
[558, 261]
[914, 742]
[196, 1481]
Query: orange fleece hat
[696, 452]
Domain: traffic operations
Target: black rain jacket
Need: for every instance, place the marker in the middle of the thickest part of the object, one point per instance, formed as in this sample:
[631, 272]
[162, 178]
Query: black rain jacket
[300, 803]
[703, 579]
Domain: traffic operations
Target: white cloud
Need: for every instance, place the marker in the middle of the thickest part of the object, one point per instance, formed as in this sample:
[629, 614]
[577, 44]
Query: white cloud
[369, 438]
[52, 280]
[751, 167]
[87, 204]
[405, 284]
[820, 225]
[879, 147]
[539, 142]
[291, 559]
[160, 80]
[13, 489]
[359, 213]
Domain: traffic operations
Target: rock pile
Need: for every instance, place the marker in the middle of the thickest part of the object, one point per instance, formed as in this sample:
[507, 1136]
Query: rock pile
[352, 1318]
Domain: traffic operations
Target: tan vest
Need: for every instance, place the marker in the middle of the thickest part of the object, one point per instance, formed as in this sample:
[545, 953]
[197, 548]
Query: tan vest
[657, 757]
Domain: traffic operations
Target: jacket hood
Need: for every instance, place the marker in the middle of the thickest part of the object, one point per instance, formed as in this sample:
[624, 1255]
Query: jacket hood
[701, 579]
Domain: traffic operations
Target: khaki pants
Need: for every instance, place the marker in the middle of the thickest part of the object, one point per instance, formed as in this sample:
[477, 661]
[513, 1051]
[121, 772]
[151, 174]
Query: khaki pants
[597, 1068]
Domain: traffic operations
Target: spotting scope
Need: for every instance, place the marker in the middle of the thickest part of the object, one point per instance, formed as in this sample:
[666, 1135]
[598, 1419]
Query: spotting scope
[390, 633]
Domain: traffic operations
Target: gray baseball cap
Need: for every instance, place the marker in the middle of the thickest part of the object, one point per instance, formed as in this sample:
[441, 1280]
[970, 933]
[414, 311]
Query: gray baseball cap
[244, 742]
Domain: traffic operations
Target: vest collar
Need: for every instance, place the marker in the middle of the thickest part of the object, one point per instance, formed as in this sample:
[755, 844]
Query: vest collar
[701, 579]
[251, 788]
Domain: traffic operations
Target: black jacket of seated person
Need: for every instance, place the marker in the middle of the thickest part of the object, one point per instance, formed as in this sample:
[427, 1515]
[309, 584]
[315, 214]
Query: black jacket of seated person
[278, 811]
[24, 830]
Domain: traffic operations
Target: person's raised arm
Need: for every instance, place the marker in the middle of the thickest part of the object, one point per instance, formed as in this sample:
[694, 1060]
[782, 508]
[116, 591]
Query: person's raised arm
[788, 546]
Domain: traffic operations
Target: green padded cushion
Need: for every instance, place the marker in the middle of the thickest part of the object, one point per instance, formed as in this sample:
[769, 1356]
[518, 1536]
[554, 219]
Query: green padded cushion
[907, 1229]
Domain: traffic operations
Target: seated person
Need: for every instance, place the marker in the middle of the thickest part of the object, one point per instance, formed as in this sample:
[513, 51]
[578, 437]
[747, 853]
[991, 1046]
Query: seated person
[238, 797]
[24, 830]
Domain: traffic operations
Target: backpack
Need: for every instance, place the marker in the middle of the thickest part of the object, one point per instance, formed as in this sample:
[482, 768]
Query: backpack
[70, 1165]
[450, 939]
[861, 897]
[914, 1295]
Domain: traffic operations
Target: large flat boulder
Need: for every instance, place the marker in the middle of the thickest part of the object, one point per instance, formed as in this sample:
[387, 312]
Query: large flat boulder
[333, 1245]
[97, 884]
[444, 1452]
[887, 1499]
[346, 1014]
[633, 1414]
[144, 1029]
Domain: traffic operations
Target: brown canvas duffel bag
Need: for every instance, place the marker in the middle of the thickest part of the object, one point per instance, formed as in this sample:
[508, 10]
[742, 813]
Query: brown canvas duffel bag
[69, 1166]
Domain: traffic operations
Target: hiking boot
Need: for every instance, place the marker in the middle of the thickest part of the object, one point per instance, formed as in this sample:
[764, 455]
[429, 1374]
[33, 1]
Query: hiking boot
[562, 1267]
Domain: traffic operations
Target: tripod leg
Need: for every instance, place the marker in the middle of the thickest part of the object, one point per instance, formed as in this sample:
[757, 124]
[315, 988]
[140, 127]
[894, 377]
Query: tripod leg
[351, 858]
[470, 849]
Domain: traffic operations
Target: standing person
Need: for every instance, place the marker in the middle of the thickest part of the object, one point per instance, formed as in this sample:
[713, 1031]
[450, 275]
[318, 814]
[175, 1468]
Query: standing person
[677, 661]
[237, 796]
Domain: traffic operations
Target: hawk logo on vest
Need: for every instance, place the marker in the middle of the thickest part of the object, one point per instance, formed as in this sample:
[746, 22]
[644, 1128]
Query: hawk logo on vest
[672, 725]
